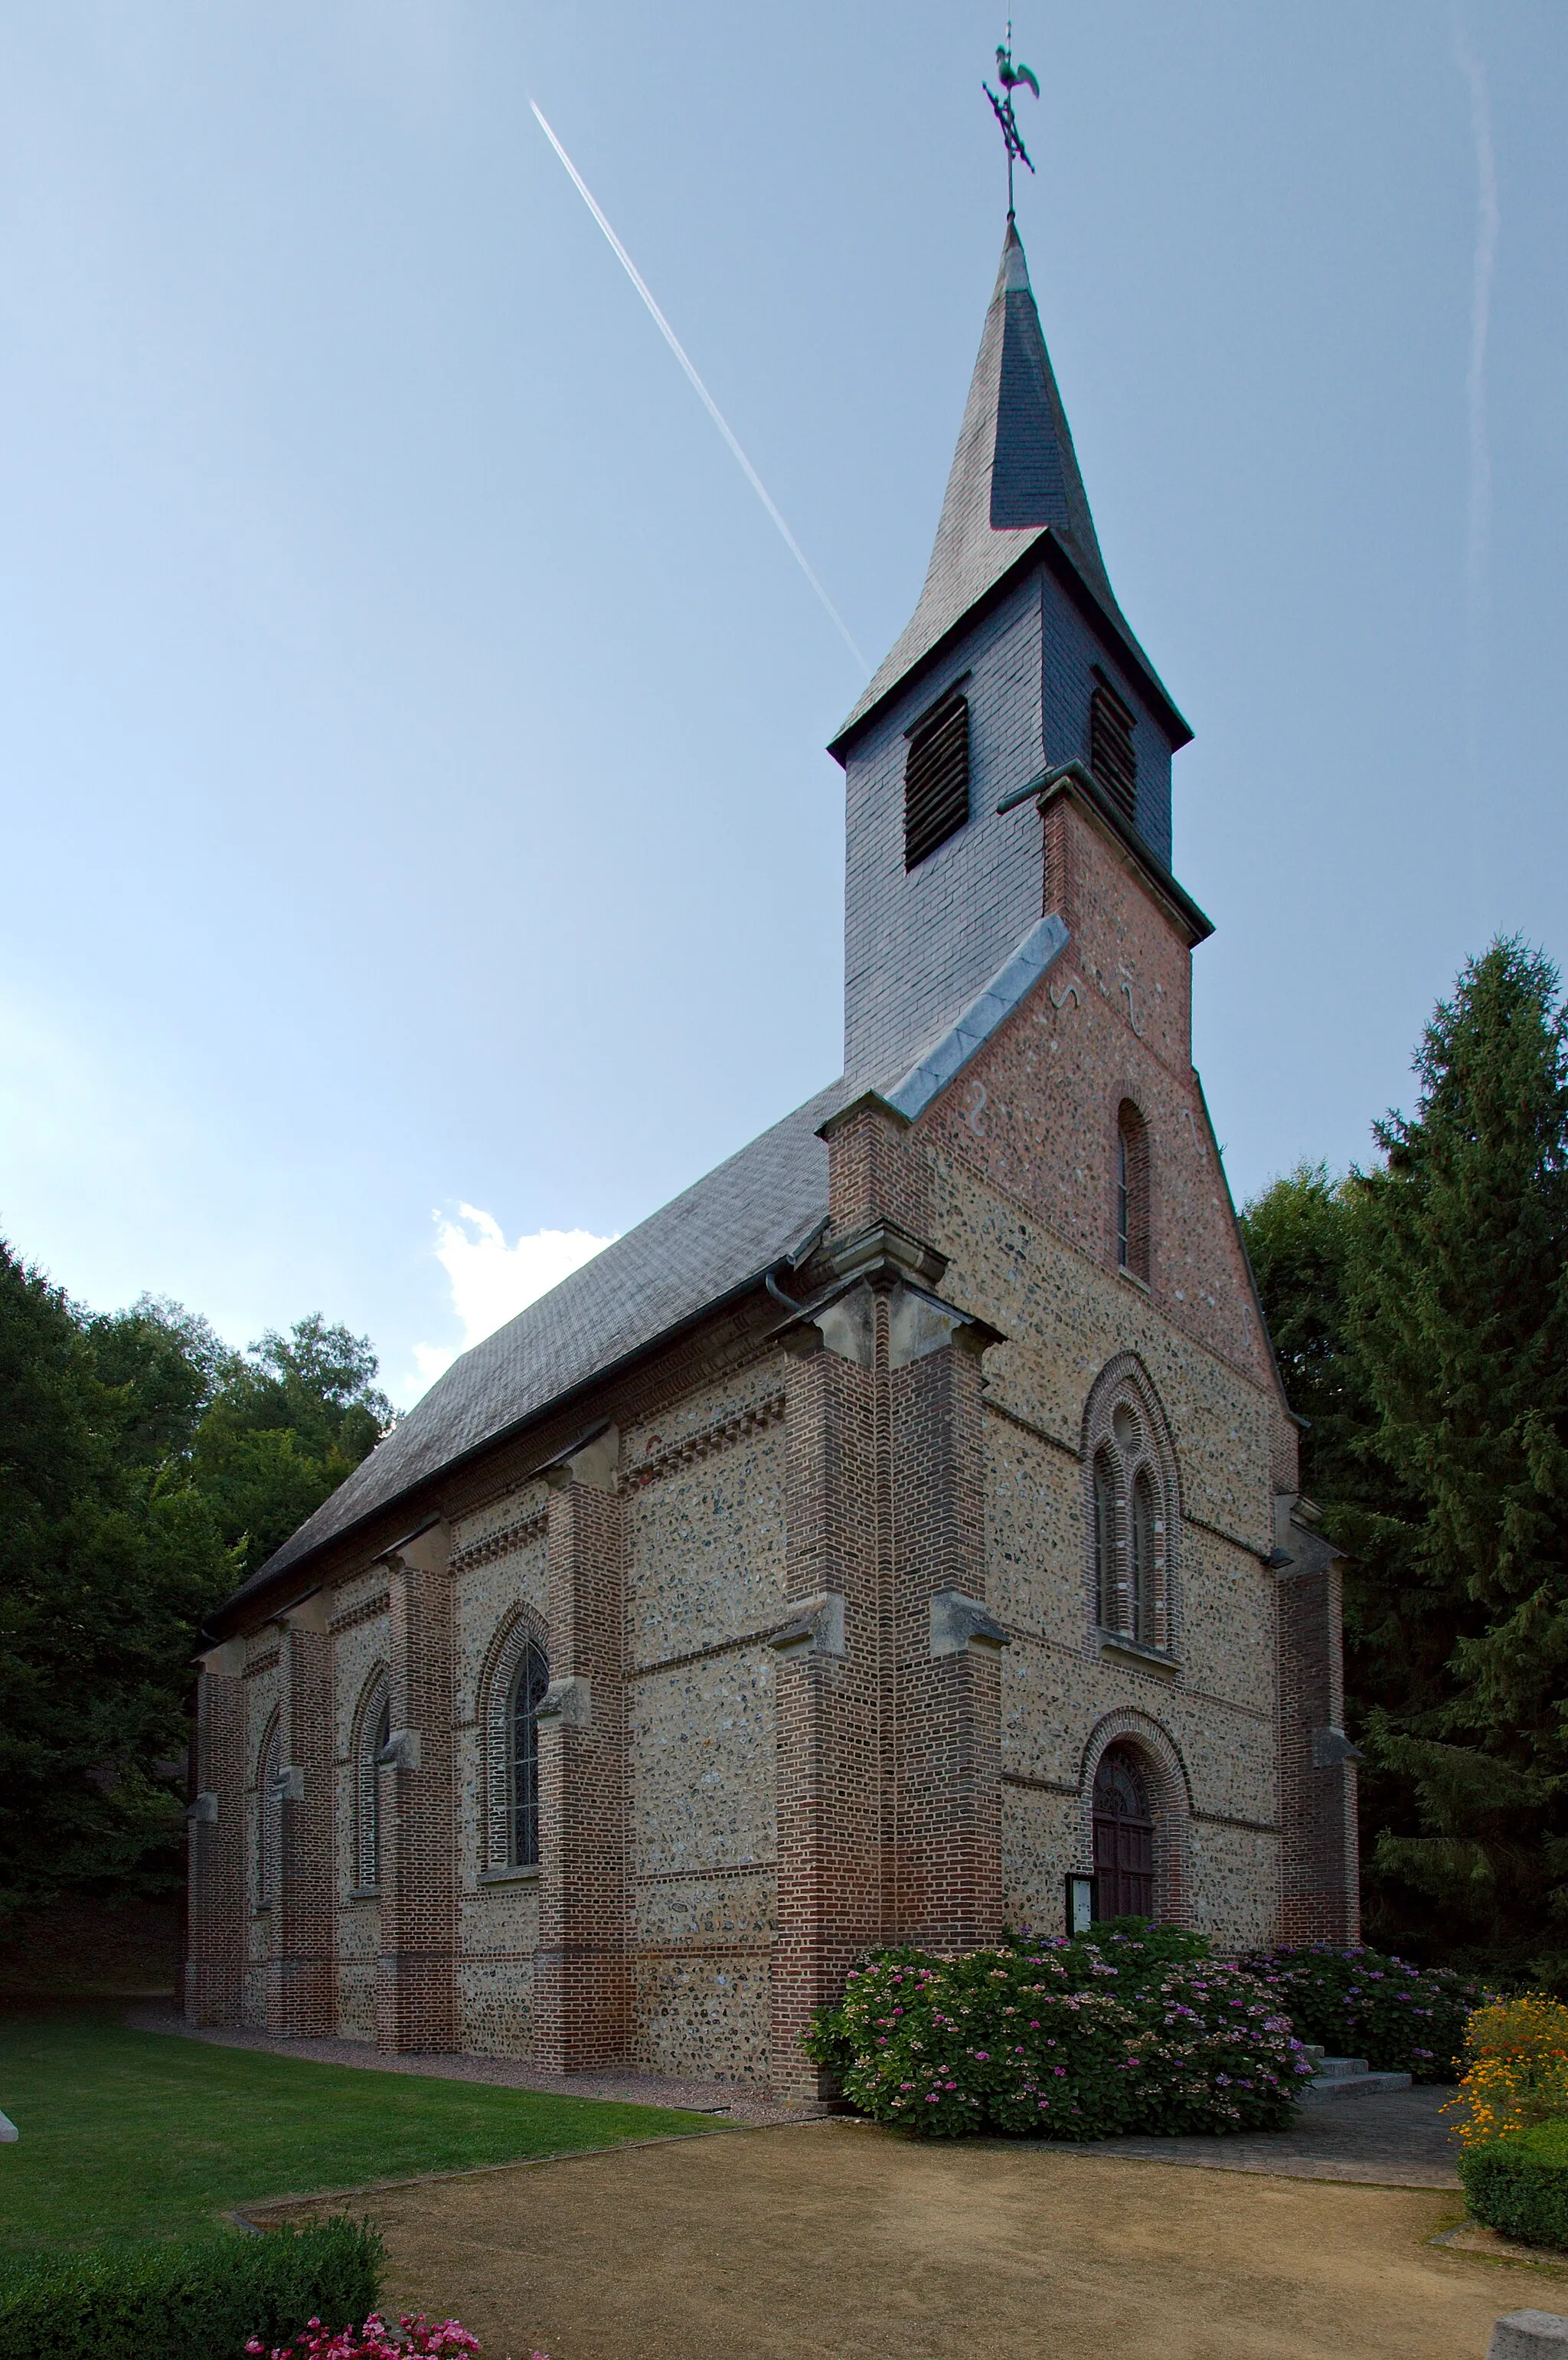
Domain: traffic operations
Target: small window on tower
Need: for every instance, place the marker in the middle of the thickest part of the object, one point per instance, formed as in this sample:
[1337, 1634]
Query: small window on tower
[936, 778]
[1112, 754]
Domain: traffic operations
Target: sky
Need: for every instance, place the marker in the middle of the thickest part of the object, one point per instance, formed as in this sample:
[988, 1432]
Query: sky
[420, 855]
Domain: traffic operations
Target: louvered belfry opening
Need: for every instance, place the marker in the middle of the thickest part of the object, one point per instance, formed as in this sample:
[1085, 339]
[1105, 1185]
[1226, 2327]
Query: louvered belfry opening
[1113, 757]
[936, 778]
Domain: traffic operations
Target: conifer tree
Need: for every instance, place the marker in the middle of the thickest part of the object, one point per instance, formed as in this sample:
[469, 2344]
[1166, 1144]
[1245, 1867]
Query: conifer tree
[1420, 1314]
[1457, 1304]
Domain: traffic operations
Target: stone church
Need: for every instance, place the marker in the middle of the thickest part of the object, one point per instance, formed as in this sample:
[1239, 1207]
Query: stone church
[897, 1537]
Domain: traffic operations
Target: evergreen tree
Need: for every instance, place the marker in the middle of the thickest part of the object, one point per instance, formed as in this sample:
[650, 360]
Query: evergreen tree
[1458, 1307]
[1418, 1309]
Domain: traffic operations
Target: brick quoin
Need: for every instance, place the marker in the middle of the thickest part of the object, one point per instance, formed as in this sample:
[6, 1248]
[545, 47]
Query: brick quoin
[945, 1709]
[415, 2000]
[303, 1983]
[832, 1782]
[581, 1969]
[214, 1966]
[1319, 1863]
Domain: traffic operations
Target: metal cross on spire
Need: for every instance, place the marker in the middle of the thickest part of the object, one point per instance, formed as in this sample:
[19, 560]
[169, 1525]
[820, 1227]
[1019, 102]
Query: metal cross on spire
[1010, 77]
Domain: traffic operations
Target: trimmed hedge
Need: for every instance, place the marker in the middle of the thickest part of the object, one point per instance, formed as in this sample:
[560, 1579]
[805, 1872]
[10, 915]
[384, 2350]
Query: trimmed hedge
[197, 2300]
[1359, 2003]
[1519, 2185]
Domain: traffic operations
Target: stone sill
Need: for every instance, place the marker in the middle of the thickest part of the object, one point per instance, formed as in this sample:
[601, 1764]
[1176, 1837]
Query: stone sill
[366, 1893]
[1133, 1279]
[1117, 1648]
[489, 1876]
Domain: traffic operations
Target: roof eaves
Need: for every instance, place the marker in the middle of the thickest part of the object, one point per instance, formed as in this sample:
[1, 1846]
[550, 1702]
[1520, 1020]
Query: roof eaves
[265, 1580]
[1107, 618]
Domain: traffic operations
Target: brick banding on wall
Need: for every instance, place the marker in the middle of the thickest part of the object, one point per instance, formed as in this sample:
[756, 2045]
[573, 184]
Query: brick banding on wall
[667, 1458]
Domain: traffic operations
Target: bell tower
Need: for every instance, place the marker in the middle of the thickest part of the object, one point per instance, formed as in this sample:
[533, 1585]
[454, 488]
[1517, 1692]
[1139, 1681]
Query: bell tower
[1017, 662]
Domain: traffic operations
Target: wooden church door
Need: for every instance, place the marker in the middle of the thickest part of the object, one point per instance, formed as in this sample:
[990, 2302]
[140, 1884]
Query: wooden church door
[1123, 1836]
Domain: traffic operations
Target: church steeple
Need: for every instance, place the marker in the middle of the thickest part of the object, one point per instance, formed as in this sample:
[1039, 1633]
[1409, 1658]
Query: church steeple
[1015, 475]
[1017, 665]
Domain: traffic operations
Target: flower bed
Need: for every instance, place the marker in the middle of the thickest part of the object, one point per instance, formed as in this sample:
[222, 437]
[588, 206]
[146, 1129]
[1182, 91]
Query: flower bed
[1359, 2003]
[1518, 2070]
[1071, 2040]
[412, 2338]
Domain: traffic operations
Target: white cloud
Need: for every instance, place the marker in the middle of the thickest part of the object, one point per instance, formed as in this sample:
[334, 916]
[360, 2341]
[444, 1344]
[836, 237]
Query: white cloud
[491, 1282]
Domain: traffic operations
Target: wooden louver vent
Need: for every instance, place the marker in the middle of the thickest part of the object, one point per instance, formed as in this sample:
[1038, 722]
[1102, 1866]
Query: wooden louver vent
[936, 780]
[1112, 754]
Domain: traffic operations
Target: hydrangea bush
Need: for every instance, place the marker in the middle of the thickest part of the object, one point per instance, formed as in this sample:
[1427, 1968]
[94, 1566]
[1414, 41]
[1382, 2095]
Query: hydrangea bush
[1358, 2002]
[1069, 2040]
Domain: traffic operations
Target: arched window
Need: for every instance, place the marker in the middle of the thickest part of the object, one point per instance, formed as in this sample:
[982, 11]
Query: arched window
[375, 1727]
[1106, 1583]
[1132, 1191]
[269, 1817]
[529, 1685]
[1124, 1836]
[1131, 1506]
[1145, 1560]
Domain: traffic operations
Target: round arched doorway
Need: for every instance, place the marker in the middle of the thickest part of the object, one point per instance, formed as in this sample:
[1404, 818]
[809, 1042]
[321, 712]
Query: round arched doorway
[1123, 1835]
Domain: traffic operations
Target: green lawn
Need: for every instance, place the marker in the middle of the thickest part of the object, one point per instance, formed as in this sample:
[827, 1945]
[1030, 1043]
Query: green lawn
[143, 2135]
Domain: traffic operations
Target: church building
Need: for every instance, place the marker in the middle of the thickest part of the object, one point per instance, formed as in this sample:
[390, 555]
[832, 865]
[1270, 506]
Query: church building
[896, 1538]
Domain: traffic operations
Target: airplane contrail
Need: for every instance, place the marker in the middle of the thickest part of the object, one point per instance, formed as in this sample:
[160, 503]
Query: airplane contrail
[706, 399]
[1488, 219]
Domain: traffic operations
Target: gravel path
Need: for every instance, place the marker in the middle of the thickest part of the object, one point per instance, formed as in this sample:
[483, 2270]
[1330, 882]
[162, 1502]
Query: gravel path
[733, 2099]
[847, 2239]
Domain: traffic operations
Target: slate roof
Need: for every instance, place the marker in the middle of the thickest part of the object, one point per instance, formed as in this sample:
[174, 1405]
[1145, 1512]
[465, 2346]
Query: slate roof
[706, 1245]
[1015, 478]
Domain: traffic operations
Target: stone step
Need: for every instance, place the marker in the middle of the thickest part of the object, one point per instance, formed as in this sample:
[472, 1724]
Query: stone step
[1326, 2085]
[1337, 2069]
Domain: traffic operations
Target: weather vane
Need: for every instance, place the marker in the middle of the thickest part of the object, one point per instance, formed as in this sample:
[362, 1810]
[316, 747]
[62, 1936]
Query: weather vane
[1010, 76]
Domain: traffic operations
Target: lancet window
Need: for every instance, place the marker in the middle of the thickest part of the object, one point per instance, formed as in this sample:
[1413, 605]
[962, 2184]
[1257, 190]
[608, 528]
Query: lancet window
[1131, 1510]
[269, 1817]
[1132, 1192]
[374, 1729]
[514, 1691]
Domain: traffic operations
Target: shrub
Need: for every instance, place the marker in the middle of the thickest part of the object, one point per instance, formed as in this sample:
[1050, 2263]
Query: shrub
[1519, 2185]
[1518, 2072]
[210, 2300]
[1361, 2003]
[1072, 2040]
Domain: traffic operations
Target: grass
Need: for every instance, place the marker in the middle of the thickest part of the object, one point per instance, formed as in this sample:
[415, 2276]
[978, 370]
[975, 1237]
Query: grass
[143, 2135]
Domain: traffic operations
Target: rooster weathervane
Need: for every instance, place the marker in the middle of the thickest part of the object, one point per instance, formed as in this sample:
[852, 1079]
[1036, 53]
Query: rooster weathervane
[1010, 77]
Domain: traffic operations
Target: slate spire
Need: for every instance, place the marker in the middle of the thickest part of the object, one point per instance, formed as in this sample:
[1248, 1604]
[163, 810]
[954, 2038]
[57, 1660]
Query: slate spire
[1015, 473]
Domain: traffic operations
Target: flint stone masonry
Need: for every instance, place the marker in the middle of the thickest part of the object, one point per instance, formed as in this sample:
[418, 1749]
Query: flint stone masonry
[785, 1503]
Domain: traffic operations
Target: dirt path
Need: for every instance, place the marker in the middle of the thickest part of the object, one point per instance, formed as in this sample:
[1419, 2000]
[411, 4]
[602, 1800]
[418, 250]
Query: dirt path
[834, 2238]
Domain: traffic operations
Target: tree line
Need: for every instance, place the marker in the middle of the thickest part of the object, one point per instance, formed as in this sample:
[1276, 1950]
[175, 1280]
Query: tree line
[145, 1468]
